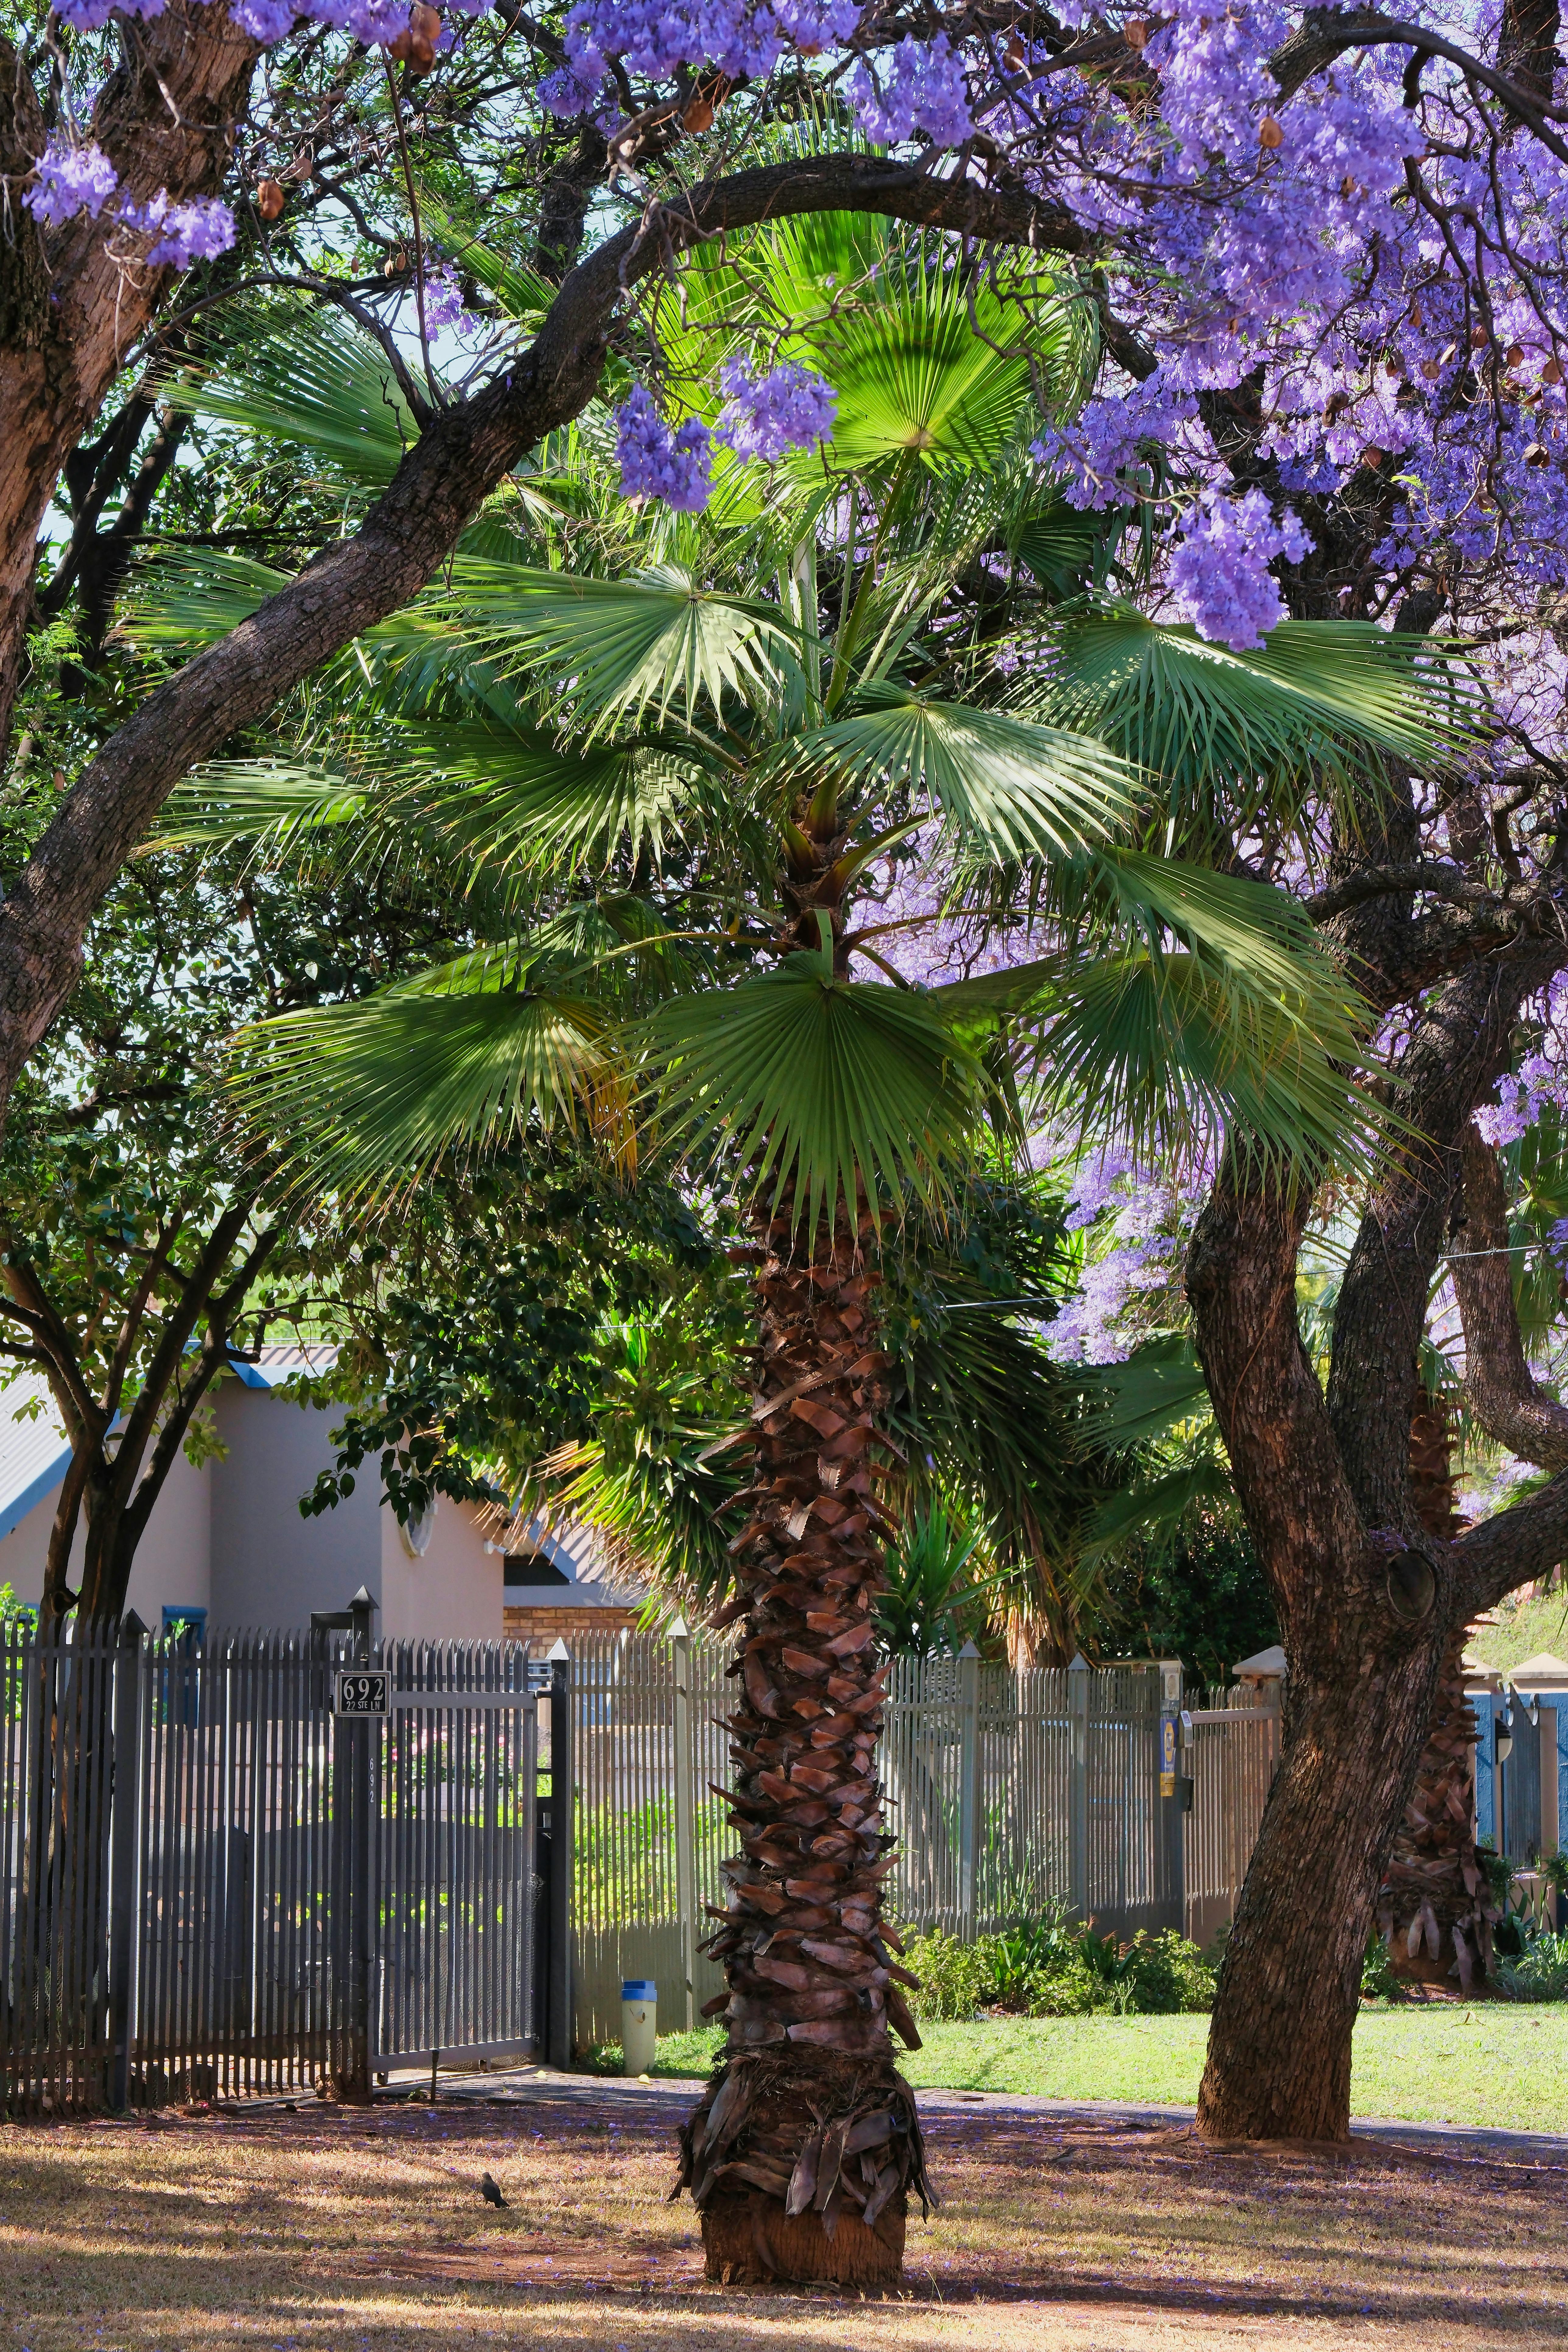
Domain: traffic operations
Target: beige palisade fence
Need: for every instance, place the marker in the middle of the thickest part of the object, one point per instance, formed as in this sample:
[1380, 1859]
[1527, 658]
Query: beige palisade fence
[1006, 1791]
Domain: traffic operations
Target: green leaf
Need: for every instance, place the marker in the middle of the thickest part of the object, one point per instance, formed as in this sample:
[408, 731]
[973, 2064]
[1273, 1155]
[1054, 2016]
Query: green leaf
[519, 290]
[271, 803]
[914, 377]
[186, 598]
[507, 794]
[1011, 786]
[1164, 1052]
[362, 1098]
[1161, 1506]
[1159, 1385]
[311, 379]
[823, 1090]
[1319, 697]
[615, 648]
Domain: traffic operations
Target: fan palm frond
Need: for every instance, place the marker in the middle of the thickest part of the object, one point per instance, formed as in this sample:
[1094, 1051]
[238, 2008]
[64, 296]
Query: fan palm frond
[362, 1098]
[1010, 786]
[312, 380]
[615, 648]
[1317, 698]
[824, 1090]
[271, 803]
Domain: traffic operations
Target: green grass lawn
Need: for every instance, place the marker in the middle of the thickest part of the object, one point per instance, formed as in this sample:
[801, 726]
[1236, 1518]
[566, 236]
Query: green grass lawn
[1496, 2063]
[1523, 1629]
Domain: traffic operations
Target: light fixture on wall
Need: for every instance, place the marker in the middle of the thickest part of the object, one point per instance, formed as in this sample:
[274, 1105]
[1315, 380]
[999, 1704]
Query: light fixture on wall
[1505, 1734]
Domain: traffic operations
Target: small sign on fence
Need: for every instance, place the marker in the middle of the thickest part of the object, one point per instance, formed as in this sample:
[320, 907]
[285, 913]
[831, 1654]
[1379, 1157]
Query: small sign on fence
[1167, 1756]
[361, 1690]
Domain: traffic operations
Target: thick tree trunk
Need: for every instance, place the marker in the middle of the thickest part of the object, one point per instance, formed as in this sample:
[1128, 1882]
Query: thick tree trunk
[805, 2145]
[1280, 2044]
[1435, 1910]
[1363, 1615]
[165, 119]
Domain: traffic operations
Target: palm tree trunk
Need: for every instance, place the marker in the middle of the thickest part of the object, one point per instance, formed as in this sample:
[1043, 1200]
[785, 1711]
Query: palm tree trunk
[1434, 1908]
[804, 2147]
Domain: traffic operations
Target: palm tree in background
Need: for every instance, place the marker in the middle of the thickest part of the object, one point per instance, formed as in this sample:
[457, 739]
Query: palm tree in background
[708, 777]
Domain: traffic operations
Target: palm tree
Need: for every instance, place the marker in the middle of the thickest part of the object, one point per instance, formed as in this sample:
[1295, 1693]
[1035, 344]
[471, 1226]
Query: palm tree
[672, 753]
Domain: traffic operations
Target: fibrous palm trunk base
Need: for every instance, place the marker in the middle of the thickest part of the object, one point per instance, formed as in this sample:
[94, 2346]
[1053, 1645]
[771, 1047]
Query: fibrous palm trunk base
[1435, 1910]
[802, 2154]
[801, 2167]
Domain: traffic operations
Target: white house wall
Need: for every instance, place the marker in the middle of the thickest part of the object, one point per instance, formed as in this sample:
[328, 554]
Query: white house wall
[453, 1593]
[22, 1553]
[228, 1537]
[173, 1559]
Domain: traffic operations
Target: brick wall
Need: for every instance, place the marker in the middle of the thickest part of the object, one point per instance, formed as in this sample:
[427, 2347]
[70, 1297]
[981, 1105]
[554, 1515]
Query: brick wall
[539, 1628]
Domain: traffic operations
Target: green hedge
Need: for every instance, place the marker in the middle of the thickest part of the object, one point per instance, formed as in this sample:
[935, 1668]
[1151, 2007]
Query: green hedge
[1047, 1969]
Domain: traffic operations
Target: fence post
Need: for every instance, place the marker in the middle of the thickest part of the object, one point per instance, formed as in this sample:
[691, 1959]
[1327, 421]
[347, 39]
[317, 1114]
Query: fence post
[1486, 1772]
[968, 1788]
[558, 2013]
[1078, 1786]
[685, 1824]
[125, 1833]
[1175, 1795]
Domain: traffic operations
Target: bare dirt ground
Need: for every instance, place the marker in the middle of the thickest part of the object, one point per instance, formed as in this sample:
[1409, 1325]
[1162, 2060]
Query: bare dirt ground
[338, 2231]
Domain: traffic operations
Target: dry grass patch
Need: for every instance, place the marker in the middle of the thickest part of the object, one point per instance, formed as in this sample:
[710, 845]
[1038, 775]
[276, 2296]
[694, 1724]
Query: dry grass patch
[367, 2234]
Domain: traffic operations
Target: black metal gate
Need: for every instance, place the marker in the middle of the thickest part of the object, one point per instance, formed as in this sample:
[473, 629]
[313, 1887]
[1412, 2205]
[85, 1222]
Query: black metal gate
[215, 1881]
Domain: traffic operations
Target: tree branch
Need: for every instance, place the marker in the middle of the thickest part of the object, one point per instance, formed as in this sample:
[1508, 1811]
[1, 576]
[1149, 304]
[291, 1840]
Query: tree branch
[355, 582]
[1502, 1391]
[214, 1355]
[1241, 1281]
[1516, 1547]
[1459, 1045]
[178, 1326]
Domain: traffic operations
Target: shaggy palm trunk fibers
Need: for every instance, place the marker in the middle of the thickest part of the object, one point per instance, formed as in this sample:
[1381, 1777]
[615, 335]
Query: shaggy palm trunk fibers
[1435, 1909]
[804, 2147]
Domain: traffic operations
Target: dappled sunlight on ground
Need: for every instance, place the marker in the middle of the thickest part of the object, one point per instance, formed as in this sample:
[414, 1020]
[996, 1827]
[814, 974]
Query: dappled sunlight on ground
[366, 2233]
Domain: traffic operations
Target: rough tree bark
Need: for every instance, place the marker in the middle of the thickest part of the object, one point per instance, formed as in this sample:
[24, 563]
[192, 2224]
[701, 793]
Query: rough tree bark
[1368, 1601]
[165, 119]
[805, 2145]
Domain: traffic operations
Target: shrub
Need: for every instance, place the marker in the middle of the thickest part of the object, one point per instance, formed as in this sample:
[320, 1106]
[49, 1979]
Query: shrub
[1541, 1972]
[1044, 1967]
[1378, 1981]
[1169, 1976]
[957, 1978]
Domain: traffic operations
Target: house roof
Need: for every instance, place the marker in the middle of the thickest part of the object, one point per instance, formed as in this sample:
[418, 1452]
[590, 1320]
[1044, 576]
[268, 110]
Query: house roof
[1262, 1667]
[33, 1452]
[272, 1367]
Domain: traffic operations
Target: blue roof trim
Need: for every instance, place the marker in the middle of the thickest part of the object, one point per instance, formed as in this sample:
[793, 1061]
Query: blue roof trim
[249, 1375]
[16, 1506]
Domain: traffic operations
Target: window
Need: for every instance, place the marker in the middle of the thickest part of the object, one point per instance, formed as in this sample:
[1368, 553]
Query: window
[532, 1568]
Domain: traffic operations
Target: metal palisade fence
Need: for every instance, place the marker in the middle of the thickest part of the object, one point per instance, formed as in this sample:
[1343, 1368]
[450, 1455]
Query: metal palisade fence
[214, 1880]
[1006, 1792]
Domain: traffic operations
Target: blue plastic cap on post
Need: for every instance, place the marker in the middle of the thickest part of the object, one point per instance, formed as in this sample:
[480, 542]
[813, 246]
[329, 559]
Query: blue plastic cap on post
[639, 1989]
